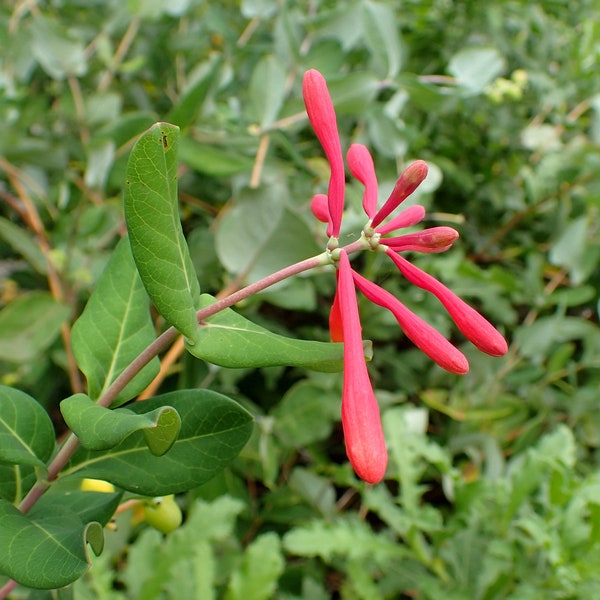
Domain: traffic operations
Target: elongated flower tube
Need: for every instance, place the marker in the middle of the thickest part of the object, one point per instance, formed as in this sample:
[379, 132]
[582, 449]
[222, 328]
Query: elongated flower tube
[475, 328]
[361, 166]
[321, 115]
[407, 183]
[423, 335]
[361, 421]
[434, 239]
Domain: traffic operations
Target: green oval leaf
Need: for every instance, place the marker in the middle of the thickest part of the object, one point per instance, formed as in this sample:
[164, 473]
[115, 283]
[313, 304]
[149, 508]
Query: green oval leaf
[114, 328]
[212, 159]
[214, 430]
[229, 340]
[26, 431]
[16, 481]
[157, 242]
[257, 223]
[89, 506]
[100, 428]
[29, 325]
[476, 66]
[45, 550]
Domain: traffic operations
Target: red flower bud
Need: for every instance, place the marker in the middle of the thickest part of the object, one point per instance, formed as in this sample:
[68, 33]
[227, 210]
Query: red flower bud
[321, 115]
[361, 166]
[361, 421]
[473, 326]
[422, 335]
[407, 183]
[434, 239]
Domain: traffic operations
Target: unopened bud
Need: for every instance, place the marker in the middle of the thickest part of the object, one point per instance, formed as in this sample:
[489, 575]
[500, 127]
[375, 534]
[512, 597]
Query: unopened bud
[407, 183]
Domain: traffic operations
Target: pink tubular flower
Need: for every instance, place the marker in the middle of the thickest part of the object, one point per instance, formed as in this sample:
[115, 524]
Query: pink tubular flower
[361, 166]
[473, 326]
[423, 335]
[321, 115]
[361, 422]
[365, 444]
[407, 183]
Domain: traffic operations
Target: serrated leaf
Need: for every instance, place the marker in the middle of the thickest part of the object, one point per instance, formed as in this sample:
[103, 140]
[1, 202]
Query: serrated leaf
[229, 340]
[26, 431]
[100, 428]
[348, 538]
[156, 563]
[214, 430]
[114, 328]
[261, 567]
[45, 550]
[29, 325]
[157, 242]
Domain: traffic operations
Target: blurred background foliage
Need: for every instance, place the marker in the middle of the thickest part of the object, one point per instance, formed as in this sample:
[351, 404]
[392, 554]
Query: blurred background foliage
[493, 489]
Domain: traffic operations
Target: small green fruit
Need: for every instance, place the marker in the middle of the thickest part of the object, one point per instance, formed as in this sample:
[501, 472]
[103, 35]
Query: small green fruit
[163, 513]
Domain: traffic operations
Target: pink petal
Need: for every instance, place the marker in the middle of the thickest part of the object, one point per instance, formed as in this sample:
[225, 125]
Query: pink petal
[407, 218]
[407, 183]
[365, 444]
[361, 166]
[321, 115]
[434, 239]
[477, 329]
[423, 335]
[319, 206]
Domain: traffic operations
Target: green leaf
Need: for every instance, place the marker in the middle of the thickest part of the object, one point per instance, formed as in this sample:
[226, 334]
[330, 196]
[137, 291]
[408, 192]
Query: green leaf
[306, 414]
[571, 248]
[45, 550]
[261, 567]
[353, 93]
[157, 242]
[156, 563]
[186, 111]
[348, 538]
[267, 90]
[114, 328]
[26, 431]
[57, 50]
[100, 428]
[476, 66]
[213, 160]
[213, 432]
[21, 241]
[229, 340]
[383, 37]
[89, 506]
[29, 325]
[258, 222]
[16, 481]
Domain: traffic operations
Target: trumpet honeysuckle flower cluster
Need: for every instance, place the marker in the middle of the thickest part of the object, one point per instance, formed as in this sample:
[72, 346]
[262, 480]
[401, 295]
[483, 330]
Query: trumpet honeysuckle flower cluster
[365, 443]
